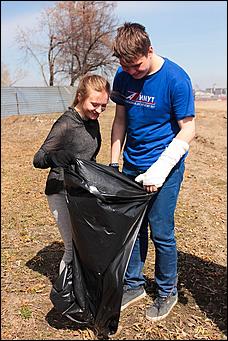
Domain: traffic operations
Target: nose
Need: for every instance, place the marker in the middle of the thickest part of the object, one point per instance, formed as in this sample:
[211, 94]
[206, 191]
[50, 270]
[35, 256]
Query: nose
[99, 109]
[130, 70]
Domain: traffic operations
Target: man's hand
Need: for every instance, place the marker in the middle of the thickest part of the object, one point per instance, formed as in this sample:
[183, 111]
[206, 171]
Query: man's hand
[114, 165]
[151, 188]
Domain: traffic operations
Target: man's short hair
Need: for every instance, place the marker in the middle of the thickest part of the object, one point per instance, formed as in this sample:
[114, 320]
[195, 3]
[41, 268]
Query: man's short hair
[131, 42]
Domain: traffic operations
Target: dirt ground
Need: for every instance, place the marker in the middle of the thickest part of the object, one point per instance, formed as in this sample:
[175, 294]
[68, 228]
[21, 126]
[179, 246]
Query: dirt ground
[32, 247]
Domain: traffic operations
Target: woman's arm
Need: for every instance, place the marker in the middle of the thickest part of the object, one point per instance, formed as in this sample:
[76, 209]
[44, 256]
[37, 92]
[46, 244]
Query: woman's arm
[54, 142]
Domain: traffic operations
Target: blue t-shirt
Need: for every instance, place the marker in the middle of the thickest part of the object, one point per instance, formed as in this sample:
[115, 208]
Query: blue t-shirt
[153, 106]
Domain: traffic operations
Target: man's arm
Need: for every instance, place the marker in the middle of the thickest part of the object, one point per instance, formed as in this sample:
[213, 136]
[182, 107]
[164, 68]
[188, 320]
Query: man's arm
[118, 133]
[155, 176]
[187, 129]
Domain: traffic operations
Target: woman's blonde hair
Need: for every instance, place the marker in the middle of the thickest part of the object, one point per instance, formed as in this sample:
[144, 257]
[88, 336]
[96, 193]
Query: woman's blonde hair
[131, 42]
[90, 82]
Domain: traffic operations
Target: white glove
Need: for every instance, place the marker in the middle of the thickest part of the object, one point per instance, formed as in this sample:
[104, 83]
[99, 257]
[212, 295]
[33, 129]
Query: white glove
[158, 172]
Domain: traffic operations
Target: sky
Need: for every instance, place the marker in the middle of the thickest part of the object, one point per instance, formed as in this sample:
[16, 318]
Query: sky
[191, 33]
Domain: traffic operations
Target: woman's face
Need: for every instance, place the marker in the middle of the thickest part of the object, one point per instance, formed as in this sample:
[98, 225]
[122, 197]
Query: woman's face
[92, 106]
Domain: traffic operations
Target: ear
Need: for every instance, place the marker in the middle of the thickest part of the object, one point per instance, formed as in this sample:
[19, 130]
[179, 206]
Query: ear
[150, 50]
[79, 97]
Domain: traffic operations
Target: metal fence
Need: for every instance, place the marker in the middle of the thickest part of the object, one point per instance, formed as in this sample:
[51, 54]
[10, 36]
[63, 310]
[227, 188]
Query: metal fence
[50, 99]
[36, 100]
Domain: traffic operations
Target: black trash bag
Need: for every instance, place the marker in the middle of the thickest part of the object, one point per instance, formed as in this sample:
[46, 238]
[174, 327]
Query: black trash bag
[106, 210]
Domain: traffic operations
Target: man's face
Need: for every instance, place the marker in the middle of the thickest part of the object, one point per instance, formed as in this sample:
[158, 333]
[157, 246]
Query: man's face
[140, 67]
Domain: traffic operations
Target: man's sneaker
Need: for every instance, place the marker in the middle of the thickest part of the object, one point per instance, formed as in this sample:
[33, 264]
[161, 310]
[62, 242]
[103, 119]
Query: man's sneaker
[131, 296]
[161, 307]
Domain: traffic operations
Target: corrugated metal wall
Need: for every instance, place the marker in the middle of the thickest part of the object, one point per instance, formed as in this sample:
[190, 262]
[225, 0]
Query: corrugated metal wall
[36, 100]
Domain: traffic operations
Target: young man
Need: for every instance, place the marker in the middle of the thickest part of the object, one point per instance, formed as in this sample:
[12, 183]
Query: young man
[155, 117]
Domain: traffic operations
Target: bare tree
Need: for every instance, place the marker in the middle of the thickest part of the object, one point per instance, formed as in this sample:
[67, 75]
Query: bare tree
[7, 79]
[56, 43]
[43, 51]
[79, 38]
[90, 26]
[5, 76]
[25, 40]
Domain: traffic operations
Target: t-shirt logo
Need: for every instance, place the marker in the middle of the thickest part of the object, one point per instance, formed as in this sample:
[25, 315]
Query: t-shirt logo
[138, 98]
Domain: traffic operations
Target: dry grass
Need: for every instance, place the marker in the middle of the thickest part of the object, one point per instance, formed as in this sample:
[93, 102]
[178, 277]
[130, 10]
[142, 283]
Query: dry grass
[32, 248]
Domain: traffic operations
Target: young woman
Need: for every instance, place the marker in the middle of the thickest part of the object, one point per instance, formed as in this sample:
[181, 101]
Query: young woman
[76, 134]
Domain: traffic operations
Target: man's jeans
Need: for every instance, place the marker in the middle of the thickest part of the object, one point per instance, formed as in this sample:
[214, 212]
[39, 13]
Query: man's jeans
[160, 216]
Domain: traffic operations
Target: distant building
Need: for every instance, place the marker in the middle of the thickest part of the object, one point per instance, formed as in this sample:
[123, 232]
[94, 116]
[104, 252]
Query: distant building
[217, 91]
[210, 93]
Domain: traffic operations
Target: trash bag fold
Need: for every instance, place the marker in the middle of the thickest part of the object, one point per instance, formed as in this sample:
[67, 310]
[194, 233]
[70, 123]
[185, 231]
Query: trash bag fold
[106, 210]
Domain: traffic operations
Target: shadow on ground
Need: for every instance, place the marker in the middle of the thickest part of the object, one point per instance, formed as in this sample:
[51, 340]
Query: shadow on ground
[207, 282]
[58, 321]
[47, 260]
